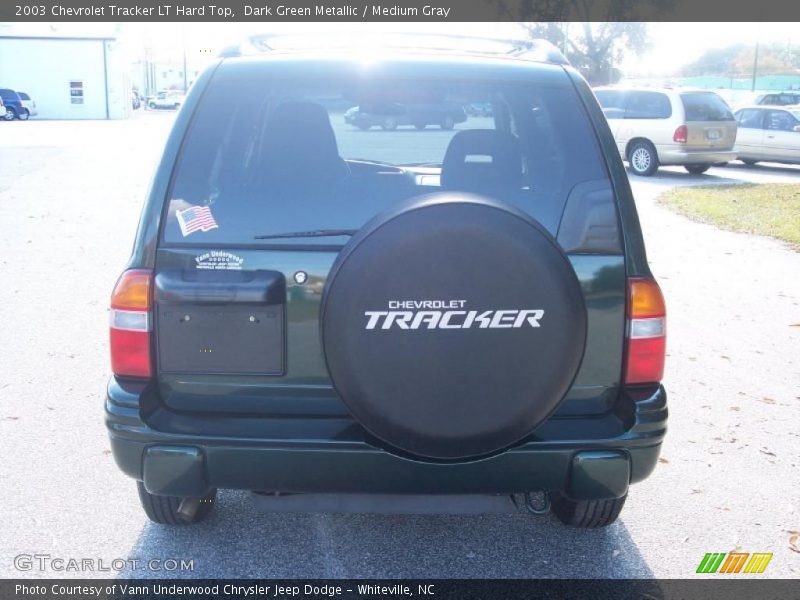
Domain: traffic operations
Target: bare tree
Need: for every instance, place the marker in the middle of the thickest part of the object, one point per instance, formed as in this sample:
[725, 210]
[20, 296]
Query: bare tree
[594, 48]
[593, 34]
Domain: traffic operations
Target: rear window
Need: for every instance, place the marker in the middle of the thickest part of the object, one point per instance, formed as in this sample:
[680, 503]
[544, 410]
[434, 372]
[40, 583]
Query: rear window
[705, 106]
[24, 96]
[297, 156]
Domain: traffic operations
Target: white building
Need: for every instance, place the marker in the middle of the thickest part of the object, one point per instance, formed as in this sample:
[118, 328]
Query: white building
[69, 77]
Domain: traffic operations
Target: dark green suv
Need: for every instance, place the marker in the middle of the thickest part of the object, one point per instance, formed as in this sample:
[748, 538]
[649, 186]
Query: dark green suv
[419, 318]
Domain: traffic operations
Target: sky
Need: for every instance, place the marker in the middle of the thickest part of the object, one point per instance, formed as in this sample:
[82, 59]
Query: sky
[672, 44]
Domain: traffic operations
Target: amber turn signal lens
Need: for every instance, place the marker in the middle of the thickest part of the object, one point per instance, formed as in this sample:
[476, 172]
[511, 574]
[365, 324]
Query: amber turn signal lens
[132, 291]
[646, 299]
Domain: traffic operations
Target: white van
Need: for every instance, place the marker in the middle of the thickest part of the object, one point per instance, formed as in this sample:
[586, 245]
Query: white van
[664, 126]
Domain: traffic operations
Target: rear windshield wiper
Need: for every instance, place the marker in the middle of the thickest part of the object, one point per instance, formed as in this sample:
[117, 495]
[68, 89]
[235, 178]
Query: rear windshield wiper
[308, 234]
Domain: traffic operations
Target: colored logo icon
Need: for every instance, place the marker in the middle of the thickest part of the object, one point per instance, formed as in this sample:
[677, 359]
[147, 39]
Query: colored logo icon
[734, 562]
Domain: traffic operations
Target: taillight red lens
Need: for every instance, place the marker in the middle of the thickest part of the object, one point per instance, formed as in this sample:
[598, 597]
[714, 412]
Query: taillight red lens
[130, 324]
[681, 134]
[647, 332]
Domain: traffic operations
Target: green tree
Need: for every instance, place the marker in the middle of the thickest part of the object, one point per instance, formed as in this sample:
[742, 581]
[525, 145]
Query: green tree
[737, 61]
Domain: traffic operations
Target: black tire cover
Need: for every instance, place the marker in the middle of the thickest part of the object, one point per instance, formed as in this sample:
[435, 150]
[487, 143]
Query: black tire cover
[423, 381]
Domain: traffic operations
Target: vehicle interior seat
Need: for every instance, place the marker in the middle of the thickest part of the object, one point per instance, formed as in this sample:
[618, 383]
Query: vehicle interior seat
[299, 147]
[483, 161]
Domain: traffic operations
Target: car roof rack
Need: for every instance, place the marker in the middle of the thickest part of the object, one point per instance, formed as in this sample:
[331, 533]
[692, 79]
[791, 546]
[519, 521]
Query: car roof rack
[536, 50]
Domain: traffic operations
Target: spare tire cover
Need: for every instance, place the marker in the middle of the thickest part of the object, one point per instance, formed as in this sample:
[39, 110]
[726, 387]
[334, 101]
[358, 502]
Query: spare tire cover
[452, 326]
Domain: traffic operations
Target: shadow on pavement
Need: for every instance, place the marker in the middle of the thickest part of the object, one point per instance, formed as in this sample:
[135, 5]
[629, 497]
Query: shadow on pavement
[667, 177]
[239, 541]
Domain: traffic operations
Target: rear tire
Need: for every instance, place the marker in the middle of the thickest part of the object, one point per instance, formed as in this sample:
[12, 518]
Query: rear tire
[166, 509]
[643, 158]
[10, 114]
[24, 114]
[389, 124]
[586, 513]
[697, 169]
[749, 162]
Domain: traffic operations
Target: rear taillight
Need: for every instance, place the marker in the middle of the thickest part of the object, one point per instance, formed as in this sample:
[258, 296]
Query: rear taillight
[130, 324]
[647, 332]
[681, 134]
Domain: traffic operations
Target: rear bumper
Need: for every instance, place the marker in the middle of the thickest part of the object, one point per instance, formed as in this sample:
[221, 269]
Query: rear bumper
[674, 155]
[337, 456]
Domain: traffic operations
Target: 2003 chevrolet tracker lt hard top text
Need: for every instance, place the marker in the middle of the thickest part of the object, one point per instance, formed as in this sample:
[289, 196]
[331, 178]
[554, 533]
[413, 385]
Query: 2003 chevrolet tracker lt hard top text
[447, 303]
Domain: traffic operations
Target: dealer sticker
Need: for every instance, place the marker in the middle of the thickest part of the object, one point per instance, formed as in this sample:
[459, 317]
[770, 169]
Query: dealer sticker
[218, 260]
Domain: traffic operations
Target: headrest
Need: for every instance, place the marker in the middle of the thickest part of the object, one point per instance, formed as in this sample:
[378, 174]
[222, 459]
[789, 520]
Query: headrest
[483, 161]
[299, 143]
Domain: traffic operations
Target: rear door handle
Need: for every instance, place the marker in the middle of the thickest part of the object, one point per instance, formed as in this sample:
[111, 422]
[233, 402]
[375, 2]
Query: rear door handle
[258, 287]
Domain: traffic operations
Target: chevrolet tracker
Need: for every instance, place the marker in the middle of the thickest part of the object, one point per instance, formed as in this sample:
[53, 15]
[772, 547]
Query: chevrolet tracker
[452, 319]
[340, 318]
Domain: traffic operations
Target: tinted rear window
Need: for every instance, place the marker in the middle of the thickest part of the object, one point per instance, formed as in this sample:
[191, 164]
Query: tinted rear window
[298, 155]
[24, 96]
[705, 106]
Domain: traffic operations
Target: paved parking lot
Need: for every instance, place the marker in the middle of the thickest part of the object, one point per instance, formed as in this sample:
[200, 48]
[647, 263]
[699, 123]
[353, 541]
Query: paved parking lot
[70, 194]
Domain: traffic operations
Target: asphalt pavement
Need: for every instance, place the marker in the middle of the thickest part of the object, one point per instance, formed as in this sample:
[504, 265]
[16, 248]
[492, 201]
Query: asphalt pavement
[70, 194]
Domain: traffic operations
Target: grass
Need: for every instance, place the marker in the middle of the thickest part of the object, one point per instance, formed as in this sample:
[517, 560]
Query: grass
[764, 209]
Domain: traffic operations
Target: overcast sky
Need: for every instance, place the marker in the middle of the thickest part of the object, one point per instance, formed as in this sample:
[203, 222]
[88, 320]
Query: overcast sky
[672, 44]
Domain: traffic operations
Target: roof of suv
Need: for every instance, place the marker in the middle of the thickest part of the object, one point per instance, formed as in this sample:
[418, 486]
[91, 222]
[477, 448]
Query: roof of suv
[399, 64]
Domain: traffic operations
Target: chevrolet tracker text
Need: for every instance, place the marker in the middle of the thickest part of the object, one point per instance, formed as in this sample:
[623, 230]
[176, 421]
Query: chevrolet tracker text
[448, 319]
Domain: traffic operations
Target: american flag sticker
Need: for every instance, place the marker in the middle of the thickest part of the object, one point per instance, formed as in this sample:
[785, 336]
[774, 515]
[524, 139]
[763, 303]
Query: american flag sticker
[195, 218]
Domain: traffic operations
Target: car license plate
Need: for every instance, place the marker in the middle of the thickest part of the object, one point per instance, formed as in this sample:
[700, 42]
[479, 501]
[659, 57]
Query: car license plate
[713, 134]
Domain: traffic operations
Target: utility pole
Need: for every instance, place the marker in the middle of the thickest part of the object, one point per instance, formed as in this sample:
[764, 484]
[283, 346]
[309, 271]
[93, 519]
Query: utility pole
[755, 67]
[185, 76]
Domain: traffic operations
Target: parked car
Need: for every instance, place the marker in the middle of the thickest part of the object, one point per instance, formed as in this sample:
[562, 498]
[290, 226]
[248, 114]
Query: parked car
[779, 99]
[2, 109]
[332, 323]
[170, 99]
[665, 126]
[478, 109]
[28, 104]
[768, 134]
[391, 116]
[13, 104]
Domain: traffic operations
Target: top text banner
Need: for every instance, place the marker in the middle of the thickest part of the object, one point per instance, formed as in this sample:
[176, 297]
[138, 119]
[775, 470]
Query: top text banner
[398, 10]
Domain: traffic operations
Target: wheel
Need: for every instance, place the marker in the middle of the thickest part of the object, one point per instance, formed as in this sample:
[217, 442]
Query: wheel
[10, 114]
[363, 126]
[420, 126]
[389, 124]
[401, 387]
[447, 123]
[24, 114]
[643, 158]
[172, 510]
[697, 169]
[748, 161]
[586, 513]
[176, 106]
[152, 105]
